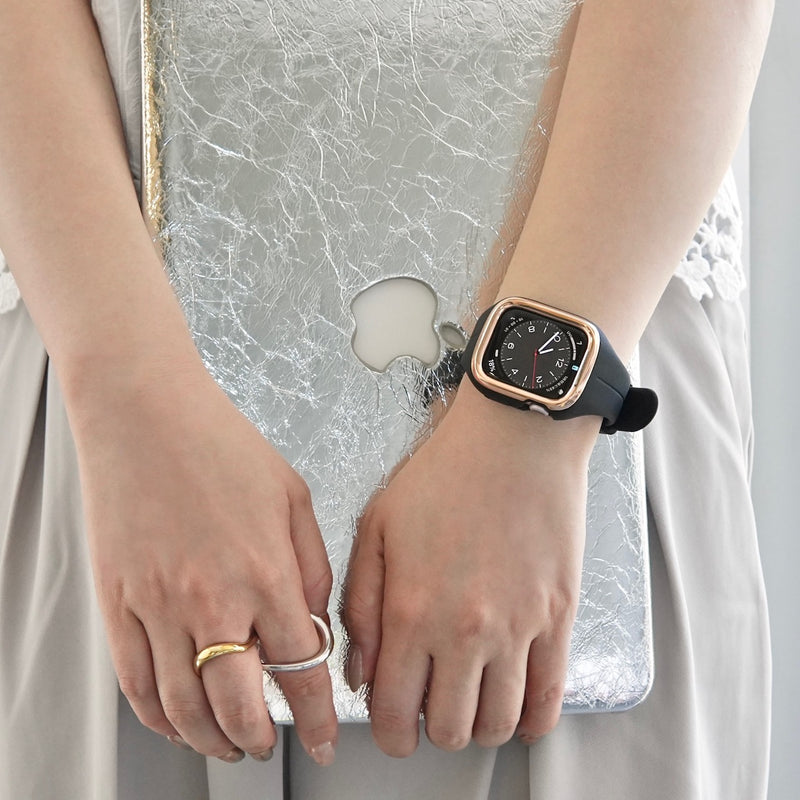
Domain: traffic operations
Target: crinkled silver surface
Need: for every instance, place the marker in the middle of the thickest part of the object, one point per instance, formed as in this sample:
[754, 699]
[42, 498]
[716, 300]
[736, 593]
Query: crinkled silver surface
[297, 152]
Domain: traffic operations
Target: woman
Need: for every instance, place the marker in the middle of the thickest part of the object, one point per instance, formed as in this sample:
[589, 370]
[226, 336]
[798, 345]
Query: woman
[189, 544]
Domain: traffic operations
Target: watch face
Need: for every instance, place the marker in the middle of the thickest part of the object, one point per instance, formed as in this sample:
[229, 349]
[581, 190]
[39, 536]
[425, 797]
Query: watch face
[536, 353]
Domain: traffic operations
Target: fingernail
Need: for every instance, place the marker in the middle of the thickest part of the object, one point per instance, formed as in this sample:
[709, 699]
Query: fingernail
[355, 669]
[179, 742]
[233, 757]
[265, 756]
[323, 754]
[529, 740]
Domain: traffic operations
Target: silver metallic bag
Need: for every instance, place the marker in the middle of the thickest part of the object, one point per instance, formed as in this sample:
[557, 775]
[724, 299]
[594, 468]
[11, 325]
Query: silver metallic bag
[298, 153]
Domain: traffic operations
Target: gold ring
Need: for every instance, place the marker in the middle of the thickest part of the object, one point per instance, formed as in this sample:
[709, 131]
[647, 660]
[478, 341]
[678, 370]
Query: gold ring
[221, 649]
[224, 648]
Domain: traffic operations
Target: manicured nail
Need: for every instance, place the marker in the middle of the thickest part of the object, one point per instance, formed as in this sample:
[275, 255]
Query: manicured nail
[265, 756]
[355, 669]
[323, 754]
[233, 757]
[179, 742]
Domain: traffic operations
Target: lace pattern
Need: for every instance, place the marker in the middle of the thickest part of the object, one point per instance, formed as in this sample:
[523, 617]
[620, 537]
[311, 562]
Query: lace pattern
[711, 267]
[9, 293]
[713, 264]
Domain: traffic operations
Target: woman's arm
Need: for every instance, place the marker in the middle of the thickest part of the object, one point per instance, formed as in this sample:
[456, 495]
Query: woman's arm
[653, 106]
[198, 530]
[466, 581]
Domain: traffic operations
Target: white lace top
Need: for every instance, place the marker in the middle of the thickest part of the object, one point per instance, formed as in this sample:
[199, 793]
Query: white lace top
[9, 294]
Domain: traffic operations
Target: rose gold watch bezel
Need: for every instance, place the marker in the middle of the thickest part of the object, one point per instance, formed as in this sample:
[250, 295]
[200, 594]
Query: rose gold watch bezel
[584, 371]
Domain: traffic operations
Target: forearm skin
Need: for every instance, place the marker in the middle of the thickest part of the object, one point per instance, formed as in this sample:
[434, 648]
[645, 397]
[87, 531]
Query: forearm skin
[654, 102]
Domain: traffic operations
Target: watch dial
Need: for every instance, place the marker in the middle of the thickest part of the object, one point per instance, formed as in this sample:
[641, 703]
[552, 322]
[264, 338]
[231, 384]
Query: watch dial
[537, 353]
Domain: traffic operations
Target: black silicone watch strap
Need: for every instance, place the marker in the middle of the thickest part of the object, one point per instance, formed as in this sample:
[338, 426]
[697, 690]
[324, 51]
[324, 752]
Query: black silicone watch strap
[605, 391]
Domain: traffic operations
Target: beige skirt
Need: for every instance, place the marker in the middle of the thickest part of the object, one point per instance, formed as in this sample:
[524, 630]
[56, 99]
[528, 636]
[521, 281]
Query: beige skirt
[702, 734]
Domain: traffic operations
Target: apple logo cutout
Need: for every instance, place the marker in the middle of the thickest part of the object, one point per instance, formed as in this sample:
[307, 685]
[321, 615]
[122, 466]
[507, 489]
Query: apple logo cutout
[396, 317]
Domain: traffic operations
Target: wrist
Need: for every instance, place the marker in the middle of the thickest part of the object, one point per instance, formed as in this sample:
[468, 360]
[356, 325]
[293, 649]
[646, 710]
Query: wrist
[620, 319]
[514, 427]
[130, 379]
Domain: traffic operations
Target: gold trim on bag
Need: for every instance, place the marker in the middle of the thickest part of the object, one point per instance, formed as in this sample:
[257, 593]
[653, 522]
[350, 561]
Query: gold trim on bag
[152, 194]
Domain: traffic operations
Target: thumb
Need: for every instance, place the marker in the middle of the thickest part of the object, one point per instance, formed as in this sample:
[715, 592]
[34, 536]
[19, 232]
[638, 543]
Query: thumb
[363, 604]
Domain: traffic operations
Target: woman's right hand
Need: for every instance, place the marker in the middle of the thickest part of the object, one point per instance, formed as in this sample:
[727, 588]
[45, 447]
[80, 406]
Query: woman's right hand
[200, 533]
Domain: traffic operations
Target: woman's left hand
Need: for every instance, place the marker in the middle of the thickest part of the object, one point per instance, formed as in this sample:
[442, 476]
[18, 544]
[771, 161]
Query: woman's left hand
[464, 579]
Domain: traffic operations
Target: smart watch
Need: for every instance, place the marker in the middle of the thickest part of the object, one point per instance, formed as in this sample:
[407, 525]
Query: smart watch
[532, 356]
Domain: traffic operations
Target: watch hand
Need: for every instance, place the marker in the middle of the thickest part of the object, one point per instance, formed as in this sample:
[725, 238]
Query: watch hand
[549, 350]
[541, 350]
[533, 378]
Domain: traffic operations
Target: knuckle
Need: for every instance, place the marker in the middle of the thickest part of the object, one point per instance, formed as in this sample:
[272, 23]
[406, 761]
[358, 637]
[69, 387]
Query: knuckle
[543, 711]
[407, 616]
[218, 617]
[270, 582]
[553, 607]
[493, 733]
[149, 595]
[563, 604]
[474, 624]
[183, 713]
[387, 718]
[191, 592]
[550, 696]
[137, 688]
[300, 493]
[321, 583]
[357, 612]
[241, 720]
[113, 594]
[447, 738]
[306, 685]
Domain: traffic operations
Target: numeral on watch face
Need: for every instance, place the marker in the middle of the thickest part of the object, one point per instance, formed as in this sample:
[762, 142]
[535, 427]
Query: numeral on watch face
[535, 354]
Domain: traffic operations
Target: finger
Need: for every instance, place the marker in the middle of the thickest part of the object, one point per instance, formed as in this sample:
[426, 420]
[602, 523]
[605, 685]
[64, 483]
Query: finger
[309, 548]
[363, 606]
[544, 692]
[401, 675]
[133, 661]
[501, 699]
[288, 634]
[183, 696]
[234, 688]
[452, 701]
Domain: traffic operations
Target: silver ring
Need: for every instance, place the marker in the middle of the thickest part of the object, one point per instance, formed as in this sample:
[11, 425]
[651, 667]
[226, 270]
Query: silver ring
[326, 648]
